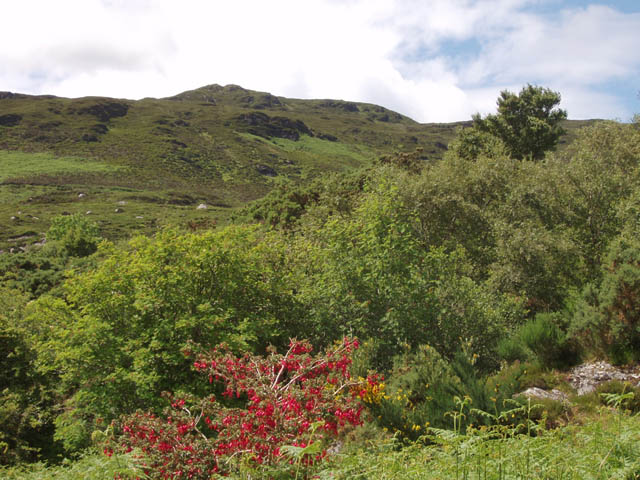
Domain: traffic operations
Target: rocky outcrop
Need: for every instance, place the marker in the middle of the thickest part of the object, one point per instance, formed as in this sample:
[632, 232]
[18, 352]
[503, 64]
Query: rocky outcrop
[585, 378]
[340, 105]
[262, 125]
[106, 110]
[9, 95]
[10, 119]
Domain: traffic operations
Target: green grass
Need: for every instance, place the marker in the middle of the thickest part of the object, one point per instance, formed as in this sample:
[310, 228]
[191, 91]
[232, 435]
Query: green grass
[604, 448]
[20, 165]
[93, 466]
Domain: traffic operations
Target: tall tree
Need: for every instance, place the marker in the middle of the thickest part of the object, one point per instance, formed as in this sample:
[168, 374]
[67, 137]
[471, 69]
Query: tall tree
[528, 123]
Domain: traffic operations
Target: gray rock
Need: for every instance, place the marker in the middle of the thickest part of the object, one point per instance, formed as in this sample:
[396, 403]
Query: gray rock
[585, 378]
[554, 394]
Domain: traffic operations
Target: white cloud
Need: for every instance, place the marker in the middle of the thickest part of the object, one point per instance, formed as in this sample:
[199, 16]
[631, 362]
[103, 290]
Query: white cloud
[401, 54]
[586, 46]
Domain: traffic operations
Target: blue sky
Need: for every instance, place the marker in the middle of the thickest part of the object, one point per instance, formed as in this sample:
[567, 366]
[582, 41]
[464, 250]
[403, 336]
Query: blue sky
[434, 60]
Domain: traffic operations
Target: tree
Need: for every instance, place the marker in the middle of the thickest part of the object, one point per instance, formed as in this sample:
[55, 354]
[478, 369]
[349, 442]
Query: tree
[527, 123]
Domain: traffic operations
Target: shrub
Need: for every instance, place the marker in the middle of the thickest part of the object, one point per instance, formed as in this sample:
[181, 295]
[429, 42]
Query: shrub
[607, 317]
[547, 341]
[422, 390]
[289, 405]
[116, 336]
[77, 235]
[25, 395]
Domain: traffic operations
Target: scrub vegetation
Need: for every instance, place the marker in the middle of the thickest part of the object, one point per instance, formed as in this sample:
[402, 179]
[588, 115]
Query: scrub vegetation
[374, 312]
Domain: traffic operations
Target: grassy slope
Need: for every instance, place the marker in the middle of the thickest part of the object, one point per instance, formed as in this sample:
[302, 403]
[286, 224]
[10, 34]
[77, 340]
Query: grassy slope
[163, 157]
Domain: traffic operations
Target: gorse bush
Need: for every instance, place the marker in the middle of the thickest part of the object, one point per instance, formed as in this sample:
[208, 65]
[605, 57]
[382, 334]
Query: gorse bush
[606, 318]
[543, 340]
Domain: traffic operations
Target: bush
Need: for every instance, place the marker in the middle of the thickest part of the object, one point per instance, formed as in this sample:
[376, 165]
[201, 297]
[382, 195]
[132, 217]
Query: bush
[77, 235]
[547, 341]
[287, 406]
[369, 274]
[607, 317]
[116, 336]
[26, 401]
[423, 389]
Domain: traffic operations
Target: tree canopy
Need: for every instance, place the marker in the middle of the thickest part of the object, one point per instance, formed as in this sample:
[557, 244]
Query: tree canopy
[527, 123]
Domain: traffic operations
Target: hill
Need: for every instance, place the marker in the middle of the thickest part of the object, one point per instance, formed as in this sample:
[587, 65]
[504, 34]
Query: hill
[136, 165]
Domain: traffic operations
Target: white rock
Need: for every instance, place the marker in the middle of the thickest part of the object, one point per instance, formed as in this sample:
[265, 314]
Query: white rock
[555, 394]
[202, 206]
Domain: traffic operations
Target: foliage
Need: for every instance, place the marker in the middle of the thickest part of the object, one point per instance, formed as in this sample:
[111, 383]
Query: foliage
[542, 338]
[367, 273]
[115, 337]
[291, 404]
[600, 449]
[76, 234]
[287, 203]
[419, 391]
[628, 395]
[34, 273]
[545, 339]
[90, 466]
[473, 143]
[25, 398]
[606, 318]
[527, 123]
[412, 162]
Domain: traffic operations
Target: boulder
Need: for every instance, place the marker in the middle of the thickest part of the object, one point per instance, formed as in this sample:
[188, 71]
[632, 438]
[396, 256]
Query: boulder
[535, 392]
[266, 170]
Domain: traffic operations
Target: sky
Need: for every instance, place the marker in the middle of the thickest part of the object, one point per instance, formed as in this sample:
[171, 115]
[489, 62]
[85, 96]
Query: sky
[432, 60]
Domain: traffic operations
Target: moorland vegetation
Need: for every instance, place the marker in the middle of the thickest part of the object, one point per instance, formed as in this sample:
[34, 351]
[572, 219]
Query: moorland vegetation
[378, 323]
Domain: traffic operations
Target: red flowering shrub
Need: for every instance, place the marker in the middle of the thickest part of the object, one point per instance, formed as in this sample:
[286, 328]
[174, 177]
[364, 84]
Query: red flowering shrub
[296, 399]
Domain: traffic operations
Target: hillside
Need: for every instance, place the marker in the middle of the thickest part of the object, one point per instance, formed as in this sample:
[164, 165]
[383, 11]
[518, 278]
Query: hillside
[136, 165]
